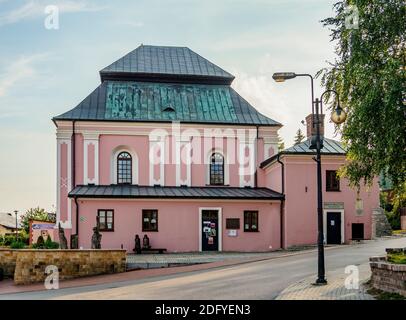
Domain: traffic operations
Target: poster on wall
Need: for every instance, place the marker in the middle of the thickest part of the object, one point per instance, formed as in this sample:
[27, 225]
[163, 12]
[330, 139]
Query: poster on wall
[41, 228]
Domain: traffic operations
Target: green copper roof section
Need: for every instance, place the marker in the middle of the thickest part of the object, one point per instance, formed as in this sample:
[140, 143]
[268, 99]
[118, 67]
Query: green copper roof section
[166, 102]
[157, 101]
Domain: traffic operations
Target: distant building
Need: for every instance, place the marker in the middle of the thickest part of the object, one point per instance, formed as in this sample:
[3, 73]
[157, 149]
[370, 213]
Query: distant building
[8, 223]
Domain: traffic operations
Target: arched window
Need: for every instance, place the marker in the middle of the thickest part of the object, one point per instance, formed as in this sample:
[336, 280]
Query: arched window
[124, 168]
[216, 169]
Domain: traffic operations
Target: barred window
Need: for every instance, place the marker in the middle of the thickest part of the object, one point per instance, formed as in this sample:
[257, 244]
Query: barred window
[216, 169]
[124, 168]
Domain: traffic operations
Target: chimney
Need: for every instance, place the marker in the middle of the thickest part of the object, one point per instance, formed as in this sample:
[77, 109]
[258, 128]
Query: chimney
[311, 130]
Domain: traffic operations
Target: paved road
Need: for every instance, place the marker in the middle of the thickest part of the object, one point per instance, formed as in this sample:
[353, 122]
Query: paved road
[255, 280]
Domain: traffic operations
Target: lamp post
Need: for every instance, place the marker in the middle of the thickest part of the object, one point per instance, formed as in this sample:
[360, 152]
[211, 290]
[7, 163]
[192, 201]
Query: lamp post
[16, 212]
[338, 116]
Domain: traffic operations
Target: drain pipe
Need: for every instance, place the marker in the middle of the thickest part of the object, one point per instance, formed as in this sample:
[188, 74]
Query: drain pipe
[74, 181]
[282, 207]
[256, 157]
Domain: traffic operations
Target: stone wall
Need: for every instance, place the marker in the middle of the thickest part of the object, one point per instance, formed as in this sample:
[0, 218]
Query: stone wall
[8, 260]
[380, 224]
[29, 264]
[388, 276]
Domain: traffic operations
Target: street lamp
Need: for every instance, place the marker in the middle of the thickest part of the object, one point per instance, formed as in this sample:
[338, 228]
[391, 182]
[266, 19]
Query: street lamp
[16, 212]
[338, 116]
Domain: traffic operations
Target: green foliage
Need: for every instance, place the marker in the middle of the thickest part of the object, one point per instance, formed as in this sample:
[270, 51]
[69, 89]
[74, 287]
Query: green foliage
[369, 74]
[34, 214]
[281, 144]
[399, 258]
[299, 136]
[17, 245]
[393, 219]
[8, 239]
[47, 244]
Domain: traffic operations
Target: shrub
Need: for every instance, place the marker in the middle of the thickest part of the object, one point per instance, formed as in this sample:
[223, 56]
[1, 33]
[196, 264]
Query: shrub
[398, 258]
[17, 245]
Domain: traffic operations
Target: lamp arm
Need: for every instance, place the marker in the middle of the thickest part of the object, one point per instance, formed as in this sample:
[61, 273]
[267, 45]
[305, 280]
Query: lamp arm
[311, 84]
[330, 91]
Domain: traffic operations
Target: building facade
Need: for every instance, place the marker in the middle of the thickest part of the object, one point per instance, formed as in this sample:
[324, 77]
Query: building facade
[165, 147]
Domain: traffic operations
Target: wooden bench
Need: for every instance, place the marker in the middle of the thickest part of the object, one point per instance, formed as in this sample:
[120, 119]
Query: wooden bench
[159, 250]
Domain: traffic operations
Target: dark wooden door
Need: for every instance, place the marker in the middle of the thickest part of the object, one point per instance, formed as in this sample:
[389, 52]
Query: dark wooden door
[333, 227]
[210, 230]
[357, 231]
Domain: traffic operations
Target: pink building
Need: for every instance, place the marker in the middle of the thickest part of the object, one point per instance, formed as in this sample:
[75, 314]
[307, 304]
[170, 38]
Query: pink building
[165, 147]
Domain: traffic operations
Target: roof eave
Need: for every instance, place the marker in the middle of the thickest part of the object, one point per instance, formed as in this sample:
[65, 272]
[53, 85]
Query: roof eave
[164, 77]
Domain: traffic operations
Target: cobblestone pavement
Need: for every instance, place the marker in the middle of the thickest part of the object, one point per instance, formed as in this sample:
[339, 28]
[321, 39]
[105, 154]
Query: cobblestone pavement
[204, 257]
[334, 290]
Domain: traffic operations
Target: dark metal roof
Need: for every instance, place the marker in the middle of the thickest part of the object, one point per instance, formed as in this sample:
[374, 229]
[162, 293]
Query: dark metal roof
[330, 147]
[148, 101]
[165, 63]
[134, 191]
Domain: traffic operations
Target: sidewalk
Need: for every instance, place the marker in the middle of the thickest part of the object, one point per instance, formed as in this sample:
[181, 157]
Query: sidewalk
[334, 290]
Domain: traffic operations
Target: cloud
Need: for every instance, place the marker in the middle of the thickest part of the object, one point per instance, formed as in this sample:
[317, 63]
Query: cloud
[21, 69]
[34, 9]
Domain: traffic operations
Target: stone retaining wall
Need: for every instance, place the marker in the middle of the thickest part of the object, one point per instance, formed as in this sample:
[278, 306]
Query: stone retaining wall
[28, 265]
[388, 276]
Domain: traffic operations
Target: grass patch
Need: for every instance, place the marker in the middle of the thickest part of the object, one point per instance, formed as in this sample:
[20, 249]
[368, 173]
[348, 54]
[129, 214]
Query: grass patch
[399, 232]
[398, 258]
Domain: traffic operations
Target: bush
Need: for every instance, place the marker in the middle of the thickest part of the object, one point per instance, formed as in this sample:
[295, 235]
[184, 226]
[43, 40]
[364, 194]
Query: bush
[17, 245]
[48, 244]
[394, 219]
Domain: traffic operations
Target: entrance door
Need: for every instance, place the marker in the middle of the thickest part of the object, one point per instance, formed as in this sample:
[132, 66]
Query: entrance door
[357, 231]
[333, 227]
[210, 230]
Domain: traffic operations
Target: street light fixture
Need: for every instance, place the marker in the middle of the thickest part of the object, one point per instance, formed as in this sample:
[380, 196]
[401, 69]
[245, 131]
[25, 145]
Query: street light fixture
[338, 116]
[16, 212]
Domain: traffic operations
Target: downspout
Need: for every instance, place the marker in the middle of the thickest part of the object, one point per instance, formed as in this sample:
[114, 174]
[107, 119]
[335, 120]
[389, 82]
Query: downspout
[77, 220]
[282, 207]
[74, 178]
[256, 165]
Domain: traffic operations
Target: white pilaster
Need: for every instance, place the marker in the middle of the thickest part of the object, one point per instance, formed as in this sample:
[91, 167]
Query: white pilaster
[90, 138]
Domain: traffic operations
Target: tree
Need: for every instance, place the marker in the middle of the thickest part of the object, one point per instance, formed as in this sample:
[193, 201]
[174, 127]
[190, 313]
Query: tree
[299, 136]
[369, 74]
[281, 144]
[34, 214]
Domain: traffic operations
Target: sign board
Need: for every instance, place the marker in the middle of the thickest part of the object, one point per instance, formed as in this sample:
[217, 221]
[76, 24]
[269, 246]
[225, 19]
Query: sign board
[333, 205]
[232, 233]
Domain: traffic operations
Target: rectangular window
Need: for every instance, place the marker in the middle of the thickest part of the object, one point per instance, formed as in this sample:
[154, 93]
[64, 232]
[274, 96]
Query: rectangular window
[106, 219]
[332, 181]
[149, 220]
[233, 223]
[251, 221]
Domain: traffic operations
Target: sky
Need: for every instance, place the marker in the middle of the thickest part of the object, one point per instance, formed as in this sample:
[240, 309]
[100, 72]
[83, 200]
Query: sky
[45, 72]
